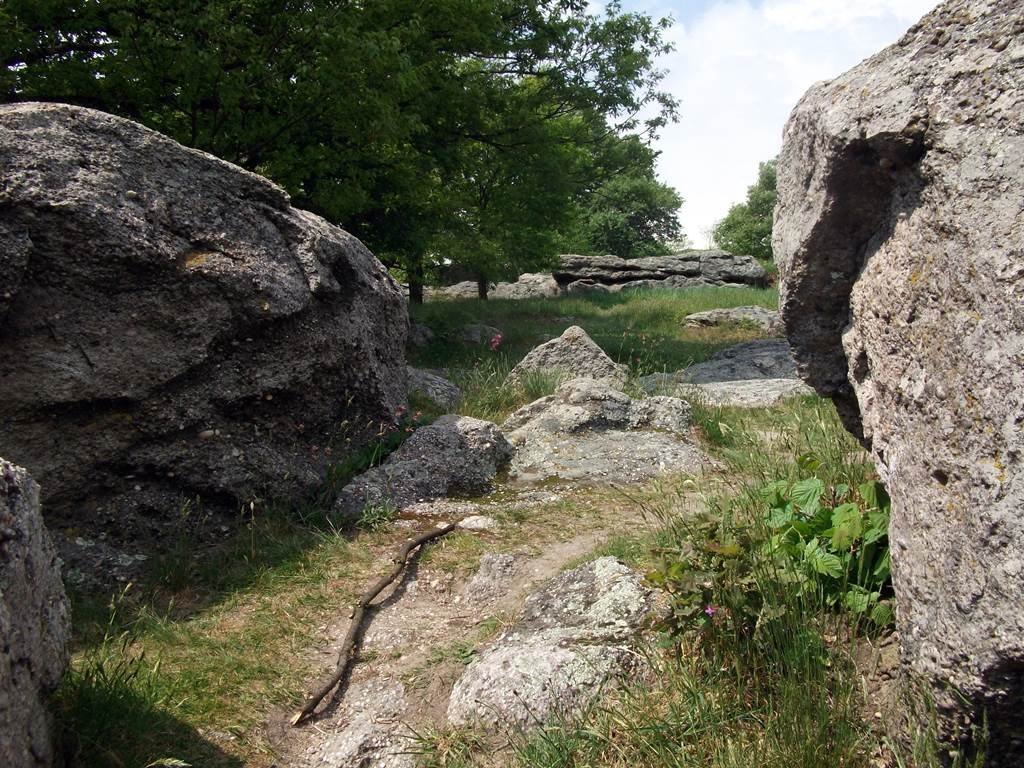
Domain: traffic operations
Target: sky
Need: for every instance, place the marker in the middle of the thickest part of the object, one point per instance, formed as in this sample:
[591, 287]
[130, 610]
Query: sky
[738, 70]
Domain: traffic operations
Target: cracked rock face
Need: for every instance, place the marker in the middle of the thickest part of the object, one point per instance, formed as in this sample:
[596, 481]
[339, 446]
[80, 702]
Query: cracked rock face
[34, 624]
[678, 270]
[899, 238]
[575, 635]
[454, 456]
[171, 327]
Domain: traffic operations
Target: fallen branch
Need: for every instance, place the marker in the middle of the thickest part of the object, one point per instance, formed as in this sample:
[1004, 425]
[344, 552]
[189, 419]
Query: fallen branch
[348, 648]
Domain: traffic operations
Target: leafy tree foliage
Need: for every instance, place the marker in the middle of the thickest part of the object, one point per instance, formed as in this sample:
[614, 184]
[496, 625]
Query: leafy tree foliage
[419, 125]
[747, 227]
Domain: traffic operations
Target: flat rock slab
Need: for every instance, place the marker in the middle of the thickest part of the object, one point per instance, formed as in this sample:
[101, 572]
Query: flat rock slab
[767, 320]
[750, 393]
[764, 359]
[575, 635]
[590, 432]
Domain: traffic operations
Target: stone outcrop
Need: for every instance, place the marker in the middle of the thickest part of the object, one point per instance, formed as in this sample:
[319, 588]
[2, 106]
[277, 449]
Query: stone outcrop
[768, 320]
[170, 327]
[530, 285]
[571, 355]
[900, 242]
[587, 432]
[34, 624]
[686, 269]
[456, 455]
[576, 635]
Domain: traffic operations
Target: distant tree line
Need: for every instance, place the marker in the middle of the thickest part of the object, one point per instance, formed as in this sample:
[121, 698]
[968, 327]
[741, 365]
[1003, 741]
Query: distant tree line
[492, 134]
[747, 227]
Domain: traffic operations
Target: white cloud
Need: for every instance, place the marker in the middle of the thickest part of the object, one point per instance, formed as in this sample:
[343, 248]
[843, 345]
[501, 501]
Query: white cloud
[739, 69]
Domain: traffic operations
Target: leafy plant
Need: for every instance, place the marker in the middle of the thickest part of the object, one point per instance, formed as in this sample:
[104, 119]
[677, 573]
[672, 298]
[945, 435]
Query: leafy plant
[838, 539]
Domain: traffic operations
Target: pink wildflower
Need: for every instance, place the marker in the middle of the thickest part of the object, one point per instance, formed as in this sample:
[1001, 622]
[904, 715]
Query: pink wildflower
[495, 342]
[711, 610]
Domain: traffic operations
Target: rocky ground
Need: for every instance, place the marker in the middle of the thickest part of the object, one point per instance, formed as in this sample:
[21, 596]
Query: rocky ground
[511, 634]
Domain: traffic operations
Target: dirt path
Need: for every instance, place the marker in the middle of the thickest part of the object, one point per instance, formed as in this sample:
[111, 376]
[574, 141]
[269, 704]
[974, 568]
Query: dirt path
[454, 600]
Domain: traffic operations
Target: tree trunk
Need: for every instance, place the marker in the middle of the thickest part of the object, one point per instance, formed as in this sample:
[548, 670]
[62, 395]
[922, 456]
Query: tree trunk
[481, 286]
[416, 281]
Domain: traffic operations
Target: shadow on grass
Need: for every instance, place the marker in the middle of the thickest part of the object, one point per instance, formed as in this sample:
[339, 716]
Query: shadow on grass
[116, 715]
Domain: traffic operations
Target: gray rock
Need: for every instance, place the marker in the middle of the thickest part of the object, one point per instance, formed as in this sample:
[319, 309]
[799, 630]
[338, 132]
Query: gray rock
[171, 323]
[34, 624]
[680, 270]
[465, 290]
[586, 287]
[477, 334]
[755, 374]
[768, 320]
[368, 732]
[493, 578]
[899, 241]
[434, 387]
[576, 635]
[587, 404]
[589, 432]
[571, 355]
[478, 523]
[530, 285]
[763, 359]
[456, 455]
[748, 393]
[420, 335]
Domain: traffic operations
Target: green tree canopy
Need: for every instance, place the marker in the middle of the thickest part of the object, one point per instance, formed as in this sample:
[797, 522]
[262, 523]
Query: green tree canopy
[747, 227]
[386, 116]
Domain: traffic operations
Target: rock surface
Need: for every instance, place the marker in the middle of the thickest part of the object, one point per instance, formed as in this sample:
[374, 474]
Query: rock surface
[899, 235]
[587, 432]
[767, 320]
[530, 285]
[571, 355]
[575, 635]
[370, 731]
[170, 327]
[755, 374]
[456, 455]
[34, 624]
[434, 387]
[680, 270]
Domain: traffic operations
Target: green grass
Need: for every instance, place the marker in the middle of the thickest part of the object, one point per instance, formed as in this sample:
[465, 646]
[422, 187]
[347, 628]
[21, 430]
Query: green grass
[640, 329]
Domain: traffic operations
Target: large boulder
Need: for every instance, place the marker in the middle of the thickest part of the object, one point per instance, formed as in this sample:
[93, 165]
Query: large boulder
[34, 624]
[456, 455]
[170, 327]
[576, 634]
[685, 269]
[899, 235]
[571, 355]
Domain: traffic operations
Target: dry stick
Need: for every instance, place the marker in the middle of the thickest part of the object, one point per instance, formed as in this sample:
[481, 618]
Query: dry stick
[348, 648]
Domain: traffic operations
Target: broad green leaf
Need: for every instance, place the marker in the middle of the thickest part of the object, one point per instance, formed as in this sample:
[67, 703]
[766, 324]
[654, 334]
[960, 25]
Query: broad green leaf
[847, 526]
[807, 495]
